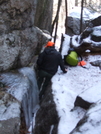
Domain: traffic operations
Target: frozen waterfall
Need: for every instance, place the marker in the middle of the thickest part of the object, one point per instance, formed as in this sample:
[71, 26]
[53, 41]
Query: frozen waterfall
[22, 85]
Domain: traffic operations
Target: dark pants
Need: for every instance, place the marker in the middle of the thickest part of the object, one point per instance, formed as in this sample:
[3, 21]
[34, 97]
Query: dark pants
[43, 81]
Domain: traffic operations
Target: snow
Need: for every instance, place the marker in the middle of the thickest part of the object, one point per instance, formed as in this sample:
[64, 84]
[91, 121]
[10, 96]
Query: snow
[97, 31]
[12, 111]
[87, 15]
[77, 81]
[84, 82]
[17, 79]
[66, 87]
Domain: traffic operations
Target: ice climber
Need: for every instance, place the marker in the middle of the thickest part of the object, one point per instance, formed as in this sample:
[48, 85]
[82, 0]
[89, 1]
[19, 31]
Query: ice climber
[48, 62]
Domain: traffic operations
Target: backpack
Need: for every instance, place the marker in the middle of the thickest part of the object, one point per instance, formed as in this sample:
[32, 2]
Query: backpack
[72, 58]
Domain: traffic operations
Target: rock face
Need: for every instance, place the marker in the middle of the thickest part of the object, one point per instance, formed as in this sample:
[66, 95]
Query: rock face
[96, 21]
[46, 118]
[43, 17]
[90, 39]
[20, 43]
[73, 25]
[9, 114]
[91, 120]
[20, 40]
[18, 100]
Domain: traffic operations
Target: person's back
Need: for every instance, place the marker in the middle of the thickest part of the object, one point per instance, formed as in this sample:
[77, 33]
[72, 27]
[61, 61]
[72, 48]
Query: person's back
[49, 60]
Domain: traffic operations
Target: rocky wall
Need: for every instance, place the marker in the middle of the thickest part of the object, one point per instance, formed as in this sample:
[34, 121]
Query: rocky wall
[20, 40]
[18, 98]
[43, 17]
[47, 119]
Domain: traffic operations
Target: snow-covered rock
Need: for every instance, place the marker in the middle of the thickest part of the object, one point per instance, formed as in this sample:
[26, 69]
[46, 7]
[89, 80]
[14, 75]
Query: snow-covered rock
[20, 99]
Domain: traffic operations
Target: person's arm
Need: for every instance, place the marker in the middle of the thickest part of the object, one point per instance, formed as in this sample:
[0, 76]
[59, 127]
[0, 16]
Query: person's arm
[40, 59]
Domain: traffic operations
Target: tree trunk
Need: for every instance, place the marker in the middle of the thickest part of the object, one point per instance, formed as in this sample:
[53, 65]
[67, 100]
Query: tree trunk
[81, 16]
[66, 16]
[56, 20]
[76, 2]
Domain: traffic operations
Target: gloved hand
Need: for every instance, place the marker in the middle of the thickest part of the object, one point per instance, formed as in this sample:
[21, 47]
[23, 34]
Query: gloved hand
[65, 70]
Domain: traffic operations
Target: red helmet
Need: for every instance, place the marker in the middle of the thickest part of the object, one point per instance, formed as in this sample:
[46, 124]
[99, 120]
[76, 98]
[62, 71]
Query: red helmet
[50, 44]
